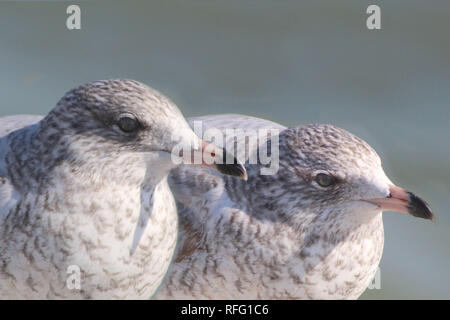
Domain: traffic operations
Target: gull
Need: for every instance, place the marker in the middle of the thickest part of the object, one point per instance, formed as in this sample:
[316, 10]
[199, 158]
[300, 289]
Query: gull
[85, 208]
[311, 230]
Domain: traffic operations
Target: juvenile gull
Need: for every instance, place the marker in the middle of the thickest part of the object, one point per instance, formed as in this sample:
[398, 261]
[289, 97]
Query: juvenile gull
[313, 230]
[85, 188]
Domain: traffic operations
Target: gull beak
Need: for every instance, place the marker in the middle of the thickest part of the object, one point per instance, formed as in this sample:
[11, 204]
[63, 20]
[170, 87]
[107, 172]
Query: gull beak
[403, 201]
[211, 156]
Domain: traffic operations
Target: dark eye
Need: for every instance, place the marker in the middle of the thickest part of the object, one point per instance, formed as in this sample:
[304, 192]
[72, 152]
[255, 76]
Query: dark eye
[325, 180]
[127, 124]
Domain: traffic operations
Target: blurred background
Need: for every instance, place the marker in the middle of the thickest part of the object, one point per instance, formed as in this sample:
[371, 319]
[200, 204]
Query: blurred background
[289, 61]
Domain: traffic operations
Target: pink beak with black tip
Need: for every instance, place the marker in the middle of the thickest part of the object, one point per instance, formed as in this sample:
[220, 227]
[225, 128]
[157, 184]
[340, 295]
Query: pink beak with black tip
[403, 201]
[213, 157]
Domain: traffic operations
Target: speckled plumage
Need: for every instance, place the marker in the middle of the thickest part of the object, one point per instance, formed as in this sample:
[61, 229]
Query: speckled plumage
[76, 190]
[280, 236]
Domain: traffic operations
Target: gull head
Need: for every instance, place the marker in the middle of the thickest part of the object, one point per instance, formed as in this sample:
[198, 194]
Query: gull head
[123, 129]
[326, 171]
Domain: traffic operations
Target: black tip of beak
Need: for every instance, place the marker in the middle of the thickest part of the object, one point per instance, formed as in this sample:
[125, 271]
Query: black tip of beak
[419, 208]
[234, 168]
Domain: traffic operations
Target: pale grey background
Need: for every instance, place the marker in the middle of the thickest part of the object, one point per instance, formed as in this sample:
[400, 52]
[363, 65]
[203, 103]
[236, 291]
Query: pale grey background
[295, 62]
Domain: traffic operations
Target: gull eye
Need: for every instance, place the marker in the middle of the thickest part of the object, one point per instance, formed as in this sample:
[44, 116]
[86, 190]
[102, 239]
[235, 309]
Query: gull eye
[324, 180]
[128, 124]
